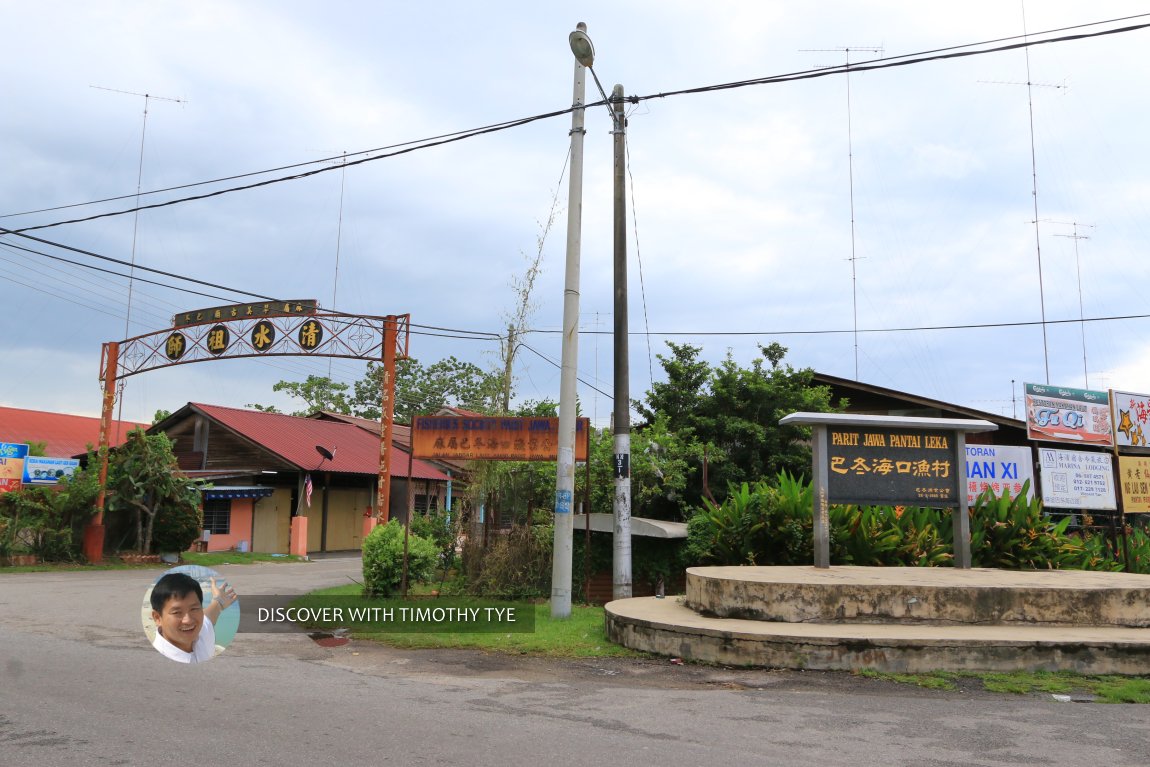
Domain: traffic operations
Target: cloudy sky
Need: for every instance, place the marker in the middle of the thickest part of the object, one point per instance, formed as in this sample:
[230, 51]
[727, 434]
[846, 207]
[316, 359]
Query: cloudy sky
[740, 231]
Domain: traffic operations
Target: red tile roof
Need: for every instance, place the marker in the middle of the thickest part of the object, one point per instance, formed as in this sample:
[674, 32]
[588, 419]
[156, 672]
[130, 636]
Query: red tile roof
[294, 439]
[66, 435]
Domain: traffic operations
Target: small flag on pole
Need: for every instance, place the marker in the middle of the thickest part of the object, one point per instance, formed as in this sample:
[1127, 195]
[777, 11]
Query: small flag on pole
[307, 487]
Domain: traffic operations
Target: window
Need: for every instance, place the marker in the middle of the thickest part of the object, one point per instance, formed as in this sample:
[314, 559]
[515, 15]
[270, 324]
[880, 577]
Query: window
[218, 515]
[426, 503]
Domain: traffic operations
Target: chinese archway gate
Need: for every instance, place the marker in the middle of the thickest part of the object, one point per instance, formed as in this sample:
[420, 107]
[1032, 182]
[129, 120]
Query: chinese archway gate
[263, 329]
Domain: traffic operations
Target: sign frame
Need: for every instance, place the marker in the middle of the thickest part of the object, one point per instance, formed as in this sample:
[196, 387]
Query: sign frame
[822, 423]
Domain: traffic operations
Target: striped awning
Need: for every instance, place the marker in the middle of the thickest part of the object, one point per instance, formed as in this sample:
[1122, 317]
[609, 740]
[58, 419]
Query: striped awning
[238, 491]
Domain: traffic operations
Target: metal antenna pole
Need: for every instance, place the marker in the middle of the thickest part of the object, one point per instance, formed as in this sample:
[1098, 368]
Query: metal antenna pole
[851, 176]
[135, 224]
[1078, 270]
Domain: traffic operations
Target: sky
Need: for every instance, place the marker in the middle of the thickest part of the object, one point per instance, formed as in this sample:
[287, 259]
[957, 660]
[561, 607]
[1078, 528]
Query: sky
[847, 218]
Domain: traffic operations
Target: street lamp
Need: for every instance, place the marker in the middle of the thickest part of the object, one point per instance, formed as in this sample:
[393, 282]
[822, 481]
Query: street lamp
[584, 53]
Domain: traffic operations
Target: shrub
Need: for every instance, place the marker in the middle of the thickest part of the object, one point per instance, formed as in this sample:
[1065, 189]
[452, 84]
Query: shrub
[442, 529]
[760, 524]
[176, 527]
[515, 565]
[383, 559]
[48, 520]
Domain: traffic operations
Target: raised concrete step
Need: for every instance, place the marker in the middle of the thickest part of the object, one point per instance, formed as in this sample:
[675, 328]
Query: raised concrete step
[920, 595]
[669, 627]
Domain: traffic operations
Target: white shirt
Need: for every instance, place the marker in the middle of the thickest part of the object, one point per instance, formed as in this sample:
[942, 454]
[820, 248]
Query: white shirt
[203, 649]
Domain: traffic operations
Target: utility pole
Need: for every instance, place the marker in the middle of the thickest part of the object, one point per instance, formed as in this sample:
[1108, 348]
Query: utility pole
[621, 550]
[584, 53]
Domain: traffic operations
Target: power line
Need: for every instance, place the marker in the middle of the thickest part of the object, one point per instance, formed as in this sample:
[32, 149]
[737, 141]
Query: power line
[976, 326]
[109, 271]
[395, 150]
[121, 262]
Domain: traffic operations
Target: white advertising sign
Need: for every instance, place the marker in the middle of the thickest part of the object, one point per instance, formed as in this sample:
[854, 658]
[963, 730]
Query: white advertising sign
[999, 468]
[1131, 418]
[1077, 480]
[48, 471]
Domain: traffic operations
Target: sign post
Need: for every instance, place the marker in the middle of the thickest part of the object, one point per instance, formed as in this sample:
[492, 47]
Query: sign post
[895, 460]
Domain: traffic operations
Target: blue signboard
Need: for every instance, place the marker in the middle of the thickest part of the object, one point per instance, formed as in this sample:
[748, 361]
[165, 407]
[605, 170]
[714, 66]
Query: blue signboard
[48, 471]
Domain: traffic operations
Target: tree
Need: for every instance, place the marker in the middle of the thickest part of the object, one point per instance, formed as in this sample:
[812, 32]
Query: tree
[318, 392]
[419, 390]
[734, 413]
[145, 480]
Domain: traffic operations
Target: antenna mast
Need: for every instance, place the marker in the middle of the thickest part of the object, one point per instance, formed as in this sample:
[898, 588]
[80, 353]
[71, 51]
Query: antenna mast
[1078, 270]
[851, 176]
[135, 220]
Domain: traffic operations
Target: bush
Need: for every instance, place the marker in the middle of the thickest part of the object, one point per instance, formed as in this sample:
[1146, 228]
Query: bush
[760, 524]
[764, 524]
[383, 559]
[515, 565]
[442, 529]
[176, 527]
[47, 520]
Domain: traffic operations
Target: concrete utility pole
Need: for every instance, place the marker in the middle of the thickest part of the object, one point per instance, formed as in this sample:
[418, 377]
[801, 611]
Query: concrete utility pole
[584, 53]
[621, 559]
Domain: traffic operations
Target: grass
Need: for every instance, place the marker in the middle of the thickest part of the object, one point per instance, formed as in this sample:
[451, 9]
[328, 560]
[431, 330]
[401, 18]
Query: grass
[581, 636]
[209, 559]
[213, 558]
[1105, 689]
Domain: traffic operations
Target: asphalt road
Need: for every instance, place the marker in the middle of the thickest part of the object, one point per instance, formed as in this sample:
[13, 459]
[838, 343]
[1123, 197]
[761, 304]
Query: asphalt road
[79, 685]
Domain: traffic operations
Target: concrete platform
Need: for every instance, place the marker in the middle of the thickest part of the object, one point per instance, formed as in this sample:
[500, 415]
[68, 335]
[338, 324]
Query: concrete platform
[1022, 620]
[930, 595]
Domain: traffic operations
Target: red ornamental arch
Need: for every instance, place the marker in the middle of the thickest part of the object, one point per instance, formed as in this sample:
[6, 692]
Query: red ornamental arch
[263, 329]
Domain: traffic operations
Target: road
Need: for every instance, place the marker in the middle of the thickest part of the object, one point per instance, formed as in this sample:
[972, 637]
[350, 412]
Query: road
[79, 685]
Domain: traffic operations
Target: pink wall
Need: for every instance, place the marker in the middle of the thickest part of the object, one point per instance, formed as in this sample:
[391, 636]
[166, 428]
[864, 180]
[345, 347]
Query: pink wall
[243, 509]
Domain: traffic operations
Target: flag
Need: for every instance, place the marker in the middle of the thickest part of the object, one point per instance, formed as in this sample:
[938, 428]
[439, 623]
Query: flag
[307, 489]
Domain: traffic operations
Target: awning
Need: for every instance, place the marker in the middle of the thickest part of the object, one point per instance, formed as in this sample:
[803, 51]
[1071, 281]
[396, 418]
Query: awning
[238, 491]
[641, 526]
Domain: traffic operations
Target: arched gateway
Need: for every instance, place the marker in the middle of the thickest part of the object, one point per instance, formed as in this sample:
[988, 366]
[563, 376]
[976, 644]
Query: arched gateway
[258, 329]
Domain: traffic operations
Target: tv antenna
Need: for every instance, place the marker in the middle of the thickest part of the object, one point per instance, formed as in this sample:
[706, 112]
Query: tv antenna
[135, 219]
[851, 175]
[1030, 86]
[1078, 269]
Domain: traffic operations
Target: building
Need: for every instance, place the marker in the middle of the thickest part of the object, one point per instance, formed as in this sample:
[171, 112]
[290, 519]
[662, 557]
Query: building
[63, 435]
[267, 468]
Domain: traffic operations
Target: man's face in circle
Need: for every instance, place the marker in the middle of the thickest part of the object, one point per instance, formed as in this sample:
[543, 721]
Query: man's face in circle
[181, 620]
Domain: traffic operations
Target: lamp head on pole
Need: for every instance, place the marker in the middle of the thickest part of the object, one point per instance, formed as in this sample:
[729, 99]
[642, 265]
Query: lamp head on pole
[581, 45]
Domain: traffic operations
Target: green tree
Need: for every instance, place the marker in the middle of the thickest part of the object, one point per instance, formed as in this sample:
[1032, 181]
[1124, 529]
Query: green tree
[318, 392]
[420, 390]
[734, 413]
[145, 481]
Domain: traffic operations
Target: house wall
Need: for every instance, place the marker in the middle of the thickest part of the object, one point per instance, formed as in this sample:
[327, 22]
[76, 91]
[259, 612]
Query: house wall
[345, 508]
[271, 527]
[240, 527]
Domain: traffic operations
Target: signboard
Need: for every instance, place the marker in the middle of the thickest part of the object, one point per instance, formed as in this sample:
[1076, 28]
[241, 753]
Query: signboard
[999, 468]
[1076, 480]
[1131, 418]
[882, 465]
[300, 307]
[493, 438]
[1134, 483]
[1062, 414]
[12, 457]
[48, 471]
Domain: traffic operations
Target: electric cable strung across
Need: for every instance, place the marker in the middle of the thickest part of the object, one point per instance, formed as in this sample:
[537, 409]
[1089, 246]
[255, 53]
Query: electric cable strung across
[547, 359]
[940, 54]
